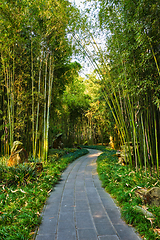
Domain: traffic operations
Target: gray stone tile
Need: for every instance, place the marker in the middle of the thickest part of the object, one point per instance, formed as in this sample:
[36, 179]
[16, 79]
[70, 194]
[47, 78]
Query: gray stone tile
[66, 216]
[66, 225]
[80, 195]
[80, 184]
[81, 206]
[66, 235]
[105, 229]
[102, 193]
[48, 225]
[91, 191]
[54, 198]
[68, 192]
[126, 233]
[51, 210]
[94, 199]
[69, 185]
[98, 185]
[101, 219]
[115, 216]
[72, 176]
[67, 201]
[67, 209]
[108, 203]
[79, 188]
[45, 237]
[97, 209]
[83, 220]
[89, 184]
[108, 237]
[87, 234]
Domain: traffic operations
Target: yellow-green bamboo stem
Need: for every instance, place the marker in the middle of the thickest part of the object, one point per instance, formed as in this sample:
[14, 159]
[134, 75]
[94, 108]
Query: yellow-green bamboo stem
[32, 77]
[37, 122]
[156, 142]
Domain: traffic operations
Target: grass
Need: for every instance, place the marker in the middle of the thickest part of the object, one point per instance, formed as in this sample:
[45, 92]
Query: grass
[23, 193]
[121, 183]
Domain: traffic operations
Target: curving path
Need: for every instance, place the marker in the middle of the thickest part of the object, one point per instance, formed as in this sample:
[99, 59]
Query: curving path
[79, 208]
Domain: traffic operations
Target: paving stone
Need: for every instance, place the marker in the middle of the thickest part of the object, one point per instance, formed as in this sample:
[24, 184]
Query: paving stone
[67, 209]
[91, 191]
[126, 233]
[51, 210]
[108, 237]
[45, 237]
[79, 188]
[66, 225]
[79, 184]
[72, 177]
[115, 216]
[93, 199]
[105, 229]
[69, 185]
[53, 198]
[97, 209]
[87, 234]
[102, 193]
[66, 216]
[83, 220]
[48, 225]
[80, 195]
[66, 235]
[67, 201]
[68, 192]
[108, 203]
[89, 184]
[101, 219]
[81, 206]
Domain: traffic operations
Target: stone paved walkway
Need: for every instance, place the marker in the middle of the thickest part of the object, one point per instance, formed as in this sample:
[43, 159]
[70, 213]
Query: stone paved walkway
[79, 208]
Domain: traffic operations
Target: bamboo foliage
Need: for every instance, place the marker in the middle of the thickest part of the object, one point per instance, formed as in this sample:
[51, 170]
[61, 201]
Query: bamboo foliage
[118, 70]
[9, 85]
[31, 31]
[129, 110]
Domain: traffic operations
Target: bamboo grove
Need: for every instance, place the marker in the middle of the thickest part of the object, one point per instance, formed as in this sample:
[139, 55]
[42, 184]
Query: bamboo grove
[130, 76]
[40, 87]
[34, 69]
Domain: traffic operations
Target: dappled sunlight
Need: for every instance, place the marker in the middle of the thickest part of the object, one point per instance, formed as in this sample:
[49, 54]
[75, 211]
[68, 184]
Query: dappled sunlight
[94, 155]
[93, 164]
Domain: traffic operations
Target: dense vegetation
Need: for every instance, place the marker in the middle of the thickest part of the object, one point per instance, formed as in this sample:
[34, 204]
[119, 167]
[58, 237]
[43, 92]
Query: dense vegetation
[34, 69]
[128, 68]
[23, 192]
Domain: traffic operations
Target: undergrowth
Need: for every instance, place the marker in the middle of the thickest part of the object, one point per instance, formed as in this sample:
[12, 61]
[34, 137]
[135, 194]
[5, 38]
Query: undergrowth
[121, 183]
[23, 193]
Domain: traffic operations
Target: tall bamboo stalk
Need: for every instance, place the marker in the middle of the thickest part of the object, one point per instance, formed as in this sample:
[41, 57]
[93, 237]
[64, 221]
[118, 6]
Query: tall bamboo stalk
[32, 78]
[44, 114]
[39, 86]
[51, 72]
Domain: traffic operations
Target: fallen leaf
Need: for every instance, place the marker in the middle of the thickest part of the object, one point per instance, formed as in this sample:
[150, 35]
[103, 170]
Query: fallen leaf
[151, 220]
[144, 207]
[157, 230]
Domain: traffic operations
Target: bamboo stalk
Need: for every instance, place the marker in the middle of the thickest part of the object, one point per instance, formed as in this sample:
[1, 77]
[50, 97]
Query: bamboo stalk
[39, 85]
[156, 143]
[32, 78]
[44, 117]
